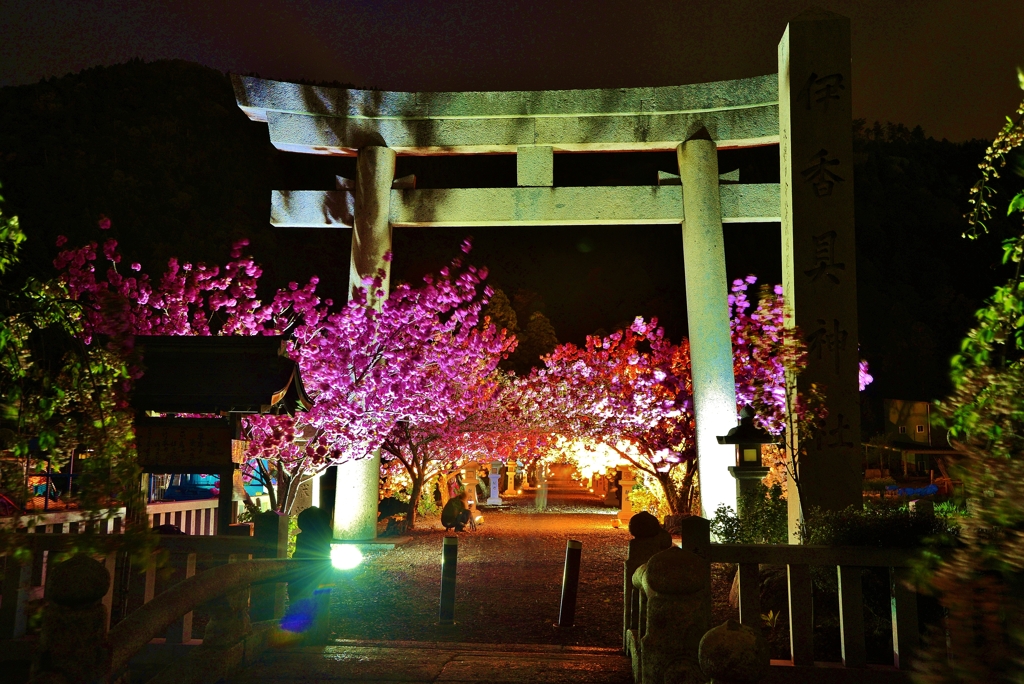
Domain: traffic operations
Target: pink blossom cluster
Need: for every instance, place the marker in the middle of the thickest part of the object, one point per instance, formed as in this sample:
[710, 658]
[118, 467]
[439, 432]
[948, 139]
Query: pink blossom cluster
[418, 359]
[632, 386]
[189, 299]
[762, 347]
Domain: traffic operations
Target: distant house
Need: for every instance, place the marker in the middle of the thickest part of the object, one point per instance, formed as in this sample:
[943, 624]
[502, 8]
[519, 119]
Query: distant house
[912, 446]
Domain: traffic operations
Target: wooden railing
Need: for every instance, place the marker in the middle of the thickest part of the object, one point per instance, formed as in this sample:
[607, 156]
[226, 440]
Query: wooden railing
[193, 570]
[643, 631]
[198, 517]
[25, 578]
[849, 564]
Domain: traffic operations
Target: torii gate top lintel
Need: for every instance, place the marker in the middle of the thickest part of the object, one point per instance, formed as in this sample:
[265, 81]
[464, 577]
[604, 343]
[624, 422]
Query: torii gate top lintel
[337, 121]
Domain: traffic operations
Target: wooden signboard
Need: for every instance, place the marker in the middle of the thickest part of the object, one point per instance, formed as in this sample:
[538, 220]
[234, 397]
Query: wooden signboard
[185, 445]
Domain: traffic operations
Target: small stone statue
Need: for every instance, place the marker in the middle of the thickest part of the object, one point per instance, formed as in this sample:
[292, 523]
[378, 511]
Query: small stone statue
[73, 646]
[734, 654]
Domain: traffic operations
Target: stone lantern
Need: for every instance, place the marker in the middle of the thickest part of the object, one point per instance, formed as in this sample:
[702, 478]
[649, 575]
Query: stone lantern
[749, 441]
[495, 476]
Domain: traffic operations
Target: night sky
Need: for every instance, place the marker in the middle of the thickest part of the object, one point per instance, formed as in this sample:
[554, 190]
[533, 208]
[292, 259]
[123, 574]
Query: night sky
[947, 65]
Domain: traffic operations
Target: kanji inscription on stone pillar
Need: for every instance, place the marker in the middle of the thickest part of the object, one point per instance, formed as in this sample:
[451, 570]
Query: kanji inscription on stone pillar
[818, 250]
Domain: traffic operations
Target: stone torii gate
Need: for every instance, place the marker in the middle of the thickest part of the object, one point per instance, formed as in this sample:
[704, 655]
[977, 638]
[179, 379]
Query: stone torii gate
[805, 109]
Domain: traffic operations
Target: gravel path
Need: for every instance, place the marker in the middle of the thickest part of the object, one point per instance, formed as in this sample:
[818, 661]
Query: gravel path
[509, 578]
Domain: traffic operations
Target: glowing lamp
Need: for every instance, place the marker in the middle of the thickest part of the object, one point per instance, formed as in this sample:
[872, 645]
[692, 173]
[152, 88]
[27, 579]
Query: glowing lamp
[749, 441]
[345, 556]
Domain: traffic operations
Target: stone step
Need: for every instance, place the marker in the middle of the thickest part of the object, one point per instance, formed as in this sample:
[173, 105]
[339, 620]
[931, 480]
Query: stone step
[370, 662]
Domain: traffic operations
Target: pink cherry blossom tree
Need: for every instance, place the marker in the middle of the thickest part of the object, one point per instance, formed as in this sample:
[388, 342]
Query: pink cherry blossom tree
[630, 391]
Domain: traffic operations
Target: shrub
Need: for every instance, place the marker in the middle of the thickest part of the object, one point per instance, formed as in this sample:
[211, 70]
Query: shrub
[427, 505]
[764, 521]
[883, 524]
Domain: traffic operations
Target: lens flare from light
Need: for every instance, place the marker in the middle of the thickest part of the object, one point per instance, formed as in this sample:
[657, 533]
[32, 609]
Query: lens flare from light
[345, 556]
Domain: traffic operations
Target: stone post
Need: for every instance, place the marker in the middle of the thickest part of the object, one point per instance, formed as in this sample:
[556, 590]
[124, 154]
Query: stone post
[678, 613]
[733, 653]
[819, 272]
[707, 315]
[627, 482]
[73, 646]
[648, 539]
[541, 500]
[495, 477]
[510, 469]
[270, 531]
[356, 496]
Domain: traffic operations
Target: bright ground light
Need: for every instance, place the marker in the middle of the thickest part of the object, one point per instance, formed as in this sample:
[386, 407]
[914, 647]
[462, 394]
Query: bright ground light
[345, 556]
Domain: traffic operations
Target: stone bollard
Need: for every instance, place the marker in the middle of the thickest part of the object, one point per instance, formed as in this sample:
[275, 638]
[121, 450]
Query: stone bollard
[73, 646]
[648, 539]
[540, 502]
[734, 654]
[271, 534]
[678, 613]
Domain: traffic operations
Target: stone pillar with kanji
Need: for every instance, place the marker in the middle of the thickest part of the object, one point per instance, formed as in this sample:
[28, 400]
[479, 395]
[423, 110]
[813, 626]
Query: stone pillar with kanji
[819, 253]
[626, 482]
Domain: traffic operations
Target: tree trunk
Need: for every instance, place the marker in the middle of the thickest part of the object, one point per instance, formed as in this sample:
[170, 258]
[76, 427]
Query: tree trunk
[442, 486]
[672, 497]
[414, 497]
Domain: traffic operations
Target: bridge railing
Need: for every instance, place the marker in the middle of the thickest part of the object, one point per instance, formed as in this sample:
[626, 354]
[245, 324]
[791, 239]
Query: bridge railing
[659, 611]
[24, 578]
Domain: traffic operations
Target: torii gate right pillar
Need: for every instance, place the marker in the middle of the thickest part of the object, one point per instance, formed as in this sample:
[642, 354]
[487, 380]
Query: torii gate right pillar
[819, 254]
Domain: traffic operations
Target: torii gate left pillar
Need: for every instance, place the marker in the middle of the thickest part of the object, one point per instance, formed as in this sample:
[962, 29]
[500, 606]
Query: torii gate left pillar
[357, 493]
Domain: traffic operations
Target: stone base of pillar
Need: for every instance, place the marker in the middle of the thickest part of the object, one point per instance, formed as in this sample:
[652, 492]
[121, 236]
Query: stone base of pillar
[355, 502]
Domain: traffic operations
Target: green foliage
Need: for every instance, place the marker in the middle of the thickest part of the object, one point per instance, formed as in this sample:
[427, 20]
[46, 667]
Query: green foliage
[60, 398]
[535, 340]
[981, 582]
[910, 195]
[764, 519]
[648, 499]
[293, 533]
[427, 505]
[11, 239]
[877, 484]
[884, 525]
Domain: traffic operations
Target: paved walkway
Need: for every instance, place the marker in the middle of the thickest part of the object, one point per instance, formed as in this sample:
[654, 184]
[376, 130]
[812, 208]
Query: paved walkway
[423, 662]
[384, 614]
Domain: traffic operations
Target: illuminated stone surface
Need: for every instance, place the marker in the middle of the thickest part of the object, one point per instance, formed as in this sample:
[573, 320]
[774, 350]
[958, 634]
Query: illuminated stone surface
[707, 315]
[333, 121]
[358, 484]
[819, 273]
[510, 207]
